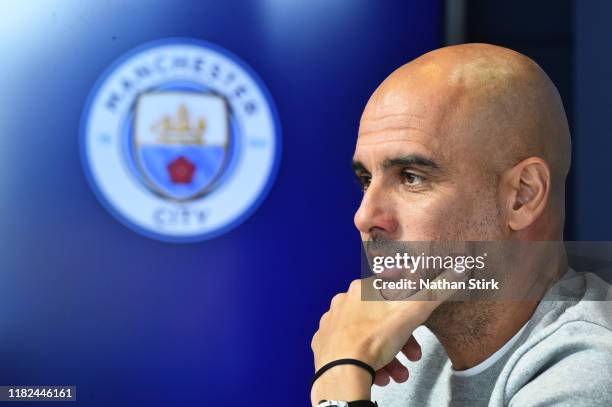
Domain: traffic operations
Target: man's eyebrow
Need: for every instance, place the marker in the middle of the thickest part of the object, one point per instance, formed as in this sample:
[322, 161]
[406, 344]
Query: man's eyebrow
[358, 167]
[412, 159]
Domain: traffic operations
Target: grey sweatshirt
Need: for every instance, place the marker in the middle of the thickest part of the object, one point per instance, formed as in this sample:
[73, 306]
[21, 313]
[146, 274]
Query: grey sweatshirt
[561, 357]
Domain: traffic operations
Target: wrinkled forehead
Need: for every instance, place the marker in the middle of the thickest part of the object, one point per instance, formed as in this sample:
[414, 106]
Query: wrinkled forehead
[408, 120]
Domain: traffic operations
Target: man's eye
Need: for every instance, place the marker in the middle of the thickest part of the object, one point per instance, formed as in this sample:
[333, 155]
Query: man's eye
[411, 179]
[364, 181]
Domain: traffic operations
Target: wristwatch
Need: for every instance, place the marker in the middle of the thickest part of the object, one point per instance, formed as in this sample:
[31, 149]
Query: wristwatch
[340, 403]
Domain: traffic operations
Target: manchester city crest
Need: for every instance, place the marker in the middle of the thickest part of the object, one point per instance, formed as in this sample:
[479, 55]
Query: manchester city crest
[180, 140]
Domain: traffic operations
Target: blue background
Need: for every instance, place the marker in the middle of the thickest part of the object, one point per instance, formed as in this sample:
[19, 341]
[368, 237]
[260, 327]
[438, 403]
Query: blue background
[592, 141]
[132, 321]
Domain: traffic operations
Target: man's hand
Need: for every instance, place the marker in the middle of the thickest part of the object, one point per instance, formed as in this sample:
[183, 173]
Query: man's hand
[373, 332]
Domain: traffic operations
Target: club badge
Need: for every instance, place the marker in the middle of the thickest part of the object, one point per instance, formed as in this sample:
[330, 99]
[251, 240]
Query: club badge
[180, 140]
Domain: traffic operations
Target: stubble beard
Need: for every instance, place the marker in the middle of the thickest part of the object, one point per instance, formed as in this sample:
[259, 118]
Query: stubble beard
[460, 324]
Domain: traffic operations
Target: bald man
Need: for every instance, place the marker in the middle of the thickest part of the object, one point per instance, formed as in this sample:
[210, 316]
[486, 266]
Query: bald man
[467, 143]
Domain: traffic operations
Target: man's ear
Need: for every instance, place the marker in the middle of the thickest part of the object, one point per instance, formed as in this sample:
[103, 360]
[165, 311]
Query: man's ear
[528, 186]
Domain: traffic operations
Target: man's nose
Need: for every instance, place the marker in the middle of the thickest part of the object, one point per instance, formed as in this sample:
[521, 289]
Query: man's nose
[376, 212]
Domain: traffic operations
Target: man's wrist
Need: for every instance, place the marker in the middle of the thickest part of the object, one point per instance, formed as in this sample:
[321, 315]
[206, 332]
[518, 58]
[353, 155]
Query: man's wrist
[343, 382]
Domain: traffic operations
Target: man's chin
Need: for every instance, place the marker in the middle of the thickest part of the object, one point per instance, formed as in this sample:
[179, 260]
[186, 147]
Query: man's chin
[443, 317]
[397, 295]
[400, 279]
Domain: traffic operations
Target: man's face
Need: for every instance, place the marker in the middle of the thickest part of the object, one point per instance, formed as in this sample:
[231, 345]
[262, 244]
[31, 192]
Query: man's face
[423, 170]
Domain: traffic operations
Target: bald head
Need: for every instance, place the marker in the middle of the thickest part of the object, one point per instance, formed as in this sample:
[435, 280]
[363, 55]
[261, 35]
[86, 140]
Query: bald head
[505, 98]
[478, 108]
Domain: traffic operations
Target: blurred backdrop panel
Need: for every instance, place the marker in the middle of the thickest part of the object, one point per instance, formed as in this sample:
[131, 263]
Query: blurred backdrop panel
[593, 136]
[131, 320]
[569, 39]
[542, 30]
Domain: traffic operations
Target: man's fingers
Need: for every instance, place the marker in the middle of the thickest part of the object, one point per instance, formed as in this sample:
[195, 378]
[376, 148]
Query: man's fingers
[324, 317]
[382, 378]
[412, 349]
[397, 371]
[368, 291]
[338, 298]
